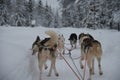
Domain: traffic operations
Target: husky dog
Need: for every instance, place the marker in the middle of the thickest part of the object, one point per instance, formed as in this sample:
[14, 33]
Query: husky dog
[60, 47]
[47, 50]
[92, 49]
[73, 40]
[83, 36]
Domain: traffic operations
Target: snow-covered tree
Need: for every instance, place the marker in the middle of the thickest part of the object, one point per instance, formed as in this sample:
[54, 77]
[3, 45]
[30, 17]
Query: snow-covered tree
[56, 22]
[29, 8]
[40, 13]
[92, 19]
[4, 15]
[18, 17]
[89, 13]
[48, 16]
[116, 19]
[66, 15]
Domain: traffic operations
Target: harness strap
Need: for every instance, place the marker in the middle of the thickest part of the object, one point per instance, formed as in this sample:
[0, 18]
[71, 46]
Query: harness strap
[75, 65]
[71, 68]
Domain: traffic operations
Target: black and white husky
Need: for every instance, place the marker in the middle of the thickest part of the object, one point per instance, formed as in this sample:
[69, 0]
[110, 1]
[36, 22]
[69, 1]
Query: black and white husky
[46, 50]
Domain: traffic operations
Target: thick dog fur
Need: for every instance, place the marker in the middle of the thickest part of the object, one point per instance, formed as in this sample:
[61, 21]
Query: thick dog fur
[44, 54]
[53, 38]
[73, 40]
[91, 49]
[47, 50]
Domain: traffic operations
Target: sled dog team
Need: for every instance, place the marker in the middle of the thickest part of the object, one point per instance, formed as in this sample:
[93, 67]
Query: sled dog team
[49, 48]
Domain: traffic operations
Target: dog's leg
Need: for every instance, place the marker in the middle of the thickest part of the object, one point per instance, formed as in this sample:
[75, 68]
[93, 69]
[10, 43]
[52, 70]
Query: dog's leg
[71, 43]
[60, 52]
[63, 51]
[50, 71]
[93, 67]
[89, 63]
[75, 44]
[54, 67]
[81, 58]
[45, 64]
[99, 65]
[40, 66]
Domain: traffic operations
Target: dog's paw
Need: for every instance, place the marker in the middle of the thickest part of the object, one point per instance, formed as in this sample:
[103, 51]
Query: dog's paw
[57, 74]
[82, 67]
[48, 75]
[93, 73]
[89, 79]
[101, 73]
[46, 67]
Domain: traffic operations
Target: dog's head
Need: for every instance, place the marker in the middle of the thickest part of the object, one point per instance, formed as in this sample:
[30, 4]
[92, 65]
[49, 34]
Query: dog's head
[35, 45]
[83, 36]
[61, 38]
[87, 42]
[73, 36]
[90, 36]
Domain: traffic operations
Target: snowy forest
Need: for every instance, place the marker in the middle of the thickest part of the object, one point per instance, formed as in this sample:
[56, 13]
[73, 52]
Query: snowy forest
[92, 14]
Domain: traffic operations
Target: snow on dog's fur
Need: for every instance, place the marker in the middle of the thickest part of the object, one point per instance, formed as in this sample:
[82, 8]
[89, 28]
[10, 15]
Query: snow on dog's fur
[47, 50]
[91, 49]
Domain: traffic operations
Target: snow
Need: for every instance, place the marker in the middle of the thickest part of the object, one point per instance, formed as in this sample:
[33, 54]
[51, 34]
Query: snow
[116, 17]
[17, 63]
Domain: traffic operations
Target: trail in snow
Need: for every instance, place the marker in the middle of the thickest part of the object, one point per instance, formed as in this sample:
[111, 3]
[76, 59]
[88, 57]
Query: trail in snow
[17, 63]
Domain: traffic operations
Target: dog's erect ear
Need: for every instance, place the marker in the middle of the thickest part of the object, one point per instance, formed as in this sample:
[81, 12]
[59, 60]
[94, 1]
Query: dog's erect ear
[37, 39]
[80, 35]
[90, 36]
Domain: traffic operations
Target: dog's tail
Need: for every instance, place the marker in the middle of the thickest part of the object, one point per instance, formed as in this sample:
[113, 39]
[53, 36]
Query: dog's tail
[53, 37]
[51, 33]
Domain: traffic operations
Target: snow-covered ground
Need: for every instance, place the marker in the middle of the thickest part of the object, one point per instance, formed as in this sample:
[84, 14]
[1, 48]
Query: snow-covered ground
[17, 63]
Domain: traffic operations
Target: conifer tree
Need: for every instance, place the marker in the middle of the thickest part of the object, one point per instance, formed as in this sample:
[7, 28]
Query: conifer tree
[4, 18]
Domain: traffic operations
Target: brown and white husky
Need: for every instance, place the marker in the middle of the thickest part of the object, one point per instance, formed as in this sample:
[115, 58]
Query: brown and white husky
[92, 49]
